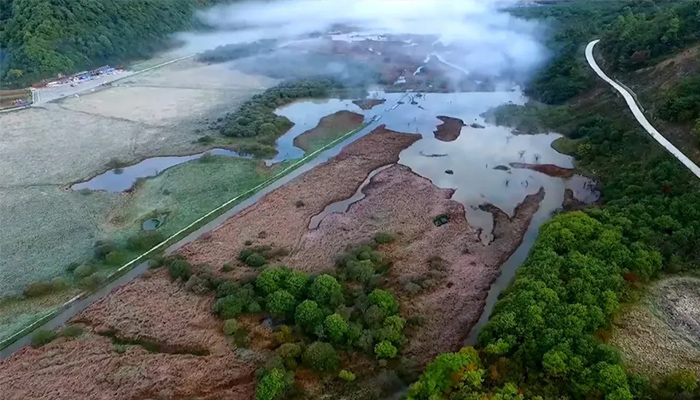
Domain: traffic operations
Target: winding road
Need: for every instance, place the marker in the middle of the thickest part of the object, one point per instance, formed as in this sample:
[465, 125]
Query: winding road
[638, 114]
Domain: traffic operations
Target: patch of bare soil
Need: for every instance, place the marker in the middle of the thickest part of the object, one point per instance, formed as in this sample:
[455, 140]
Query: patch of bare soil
[187, 356]
[368, 104]
[552, 170]
[449, 130]
[662, 333]
[330, 126]
[277, 220]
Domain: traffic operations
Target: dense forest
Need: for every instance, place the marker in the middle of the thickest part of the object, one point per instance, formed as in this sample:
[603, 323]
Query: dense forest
[640, 36]
[39, 39]
[545, 337]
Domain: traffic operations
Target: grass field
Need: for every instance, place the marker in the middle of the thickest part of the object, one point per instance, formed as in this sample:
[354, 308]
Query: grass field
[183, 193]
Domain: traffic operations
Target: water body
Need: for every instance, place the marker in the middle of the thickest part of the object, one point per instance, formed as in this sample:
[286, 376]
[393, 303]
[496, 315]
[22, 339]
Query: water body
[122, 179]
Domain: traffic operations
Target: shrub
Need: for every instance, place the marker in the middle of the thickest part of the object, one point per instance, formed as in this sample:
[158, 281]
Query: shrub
[255, 260]
[308, 315]
[83, 271]
[360, 271]
[272, 386]
[230, 326]
[384, 300]
[71, 331]
[320, 356]
[102, 248]
[271, 280]
[227, 288]
[92, 282]
[58, 284]
[392, 330]
[230, 306]
[196, 285]
[72, 266]
[115, 258]
[384, 237]
[42, 337]
[385, 349]
[374, 315]
[38, 289]
[281, 303]
[346, 375]
[227, 268]
[296, 283]
[682, 381]
[366, 341]
[289, 352]
[335, 328]
[326, 290]
[180, 269]
[145, 240]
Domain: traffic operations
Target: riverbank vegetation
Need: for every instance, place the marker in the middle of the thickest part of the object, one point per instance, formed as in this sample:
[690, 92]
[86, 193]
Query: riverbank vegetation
[547, 337]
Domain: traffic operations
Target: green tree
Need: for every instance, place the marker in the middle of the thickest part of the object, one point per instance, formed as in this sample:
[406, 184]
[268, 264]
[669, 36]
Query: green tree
[385, 349]
[296, 283]
[281, 302]
[384, 300]
[272, 386]
[335, 327]
[320, 356]
[325, 289]
[308, 315]
[271, 280]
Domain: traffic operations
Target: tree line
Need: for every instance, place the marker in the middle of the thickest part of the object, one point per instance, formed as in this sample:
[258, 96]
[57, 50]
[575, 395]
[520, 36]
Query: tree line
[39, 39]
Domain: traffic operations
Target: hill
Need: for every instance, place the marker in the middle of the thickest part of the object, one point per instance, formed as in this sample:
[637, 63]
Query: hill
[40, 39]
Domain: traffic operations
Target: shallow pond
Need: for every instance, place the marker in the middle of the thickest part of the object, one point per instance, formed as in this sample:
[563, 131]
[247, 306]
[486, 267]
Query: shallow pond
[122, 179]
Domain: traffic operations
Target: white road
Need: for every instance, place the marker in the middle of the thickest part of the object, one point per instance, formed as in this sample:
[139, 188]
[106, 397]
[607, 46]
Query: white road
[46, 95]
[629, 98]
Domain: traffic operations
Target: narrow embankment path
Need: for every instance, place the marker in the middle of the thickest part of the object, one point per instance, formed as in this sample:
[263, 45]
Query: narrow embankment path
[638, 114]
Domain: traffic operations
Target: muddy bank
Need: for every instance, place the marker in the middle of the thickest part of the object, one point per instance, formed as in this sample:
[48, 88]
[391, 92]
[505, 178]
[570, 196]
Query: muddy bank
[330, 126]
[449, 130]
[148, 339]
[368, 104]
[276, 219]
[552, 170]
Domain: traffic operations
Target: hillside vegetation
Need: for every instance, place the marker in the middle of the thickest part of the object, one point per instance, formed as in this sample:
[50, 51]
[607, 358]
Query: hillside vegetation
[546, 338]
[40, 39]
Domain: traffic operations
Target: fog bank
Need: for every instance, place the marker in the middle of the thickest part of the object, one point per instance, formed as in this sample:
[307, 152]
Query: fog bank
[480, 37]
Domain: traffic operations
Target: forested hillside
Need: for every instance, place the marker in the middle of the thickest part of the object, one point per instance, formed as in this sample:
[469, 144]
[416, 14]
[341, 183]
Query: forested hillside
[640, 36]
[39, 39]
[547, 336]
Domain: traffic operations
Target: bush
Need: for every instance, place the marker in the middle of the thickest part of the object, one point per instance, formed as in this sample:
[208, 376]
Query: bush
[227, 268]
[73, 331]
[346, 375]
[384, 237]
[326, 290]
[145, 240]
[42, 337]
[38, 289]
[281, 303]
[682, 381]
[72, 266]
[271, 280]
[385, 349]
[335, 327]
[320, 356]
[230, 326]
[308, 315]
[272, 386]
[289, 352]
[255, 260]
[180, 269]
[392, 330]
[83, 271]
[384, 300]
[115, 258]
[227, 288]
[296, 283]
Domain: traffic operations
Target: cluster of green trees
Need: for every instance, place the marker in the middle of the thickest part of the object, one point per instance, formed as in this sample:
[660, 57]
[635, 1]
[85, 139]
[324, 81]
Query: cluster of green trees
[319, 315]
[682, 102]
[256, 117]
[231, 52]
[40, 39]
[657, 28]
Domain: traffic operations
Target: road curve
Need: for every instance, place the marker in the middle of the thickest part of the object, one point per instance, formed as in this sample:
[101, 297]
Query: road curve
[629, 98]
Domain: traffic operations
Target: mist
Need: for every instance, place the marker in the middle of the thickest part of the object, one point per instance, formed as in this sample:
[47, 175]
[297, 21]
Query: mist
[475, 35]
